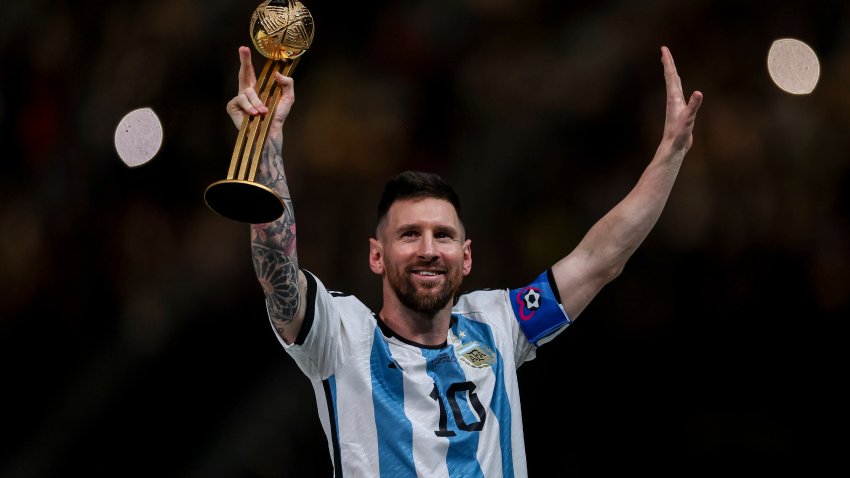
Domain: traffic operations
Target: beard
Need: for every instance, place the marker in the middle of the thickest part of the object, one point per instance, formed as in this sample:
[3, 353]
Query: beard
[433, 298]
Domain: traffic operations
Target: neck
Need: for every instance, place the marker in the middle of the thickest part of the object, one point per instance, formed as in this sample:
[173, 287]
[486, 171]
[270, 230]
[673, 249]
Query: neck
[417, 327]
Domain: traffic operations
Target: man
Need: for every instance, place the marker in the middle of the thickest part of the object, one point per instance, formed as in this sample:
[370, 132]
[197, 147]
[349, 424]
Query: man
[428, 385]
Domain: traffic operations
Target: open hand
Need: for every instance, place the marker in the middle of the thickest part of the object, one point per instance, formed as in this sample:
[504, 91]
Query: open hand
[679, 123]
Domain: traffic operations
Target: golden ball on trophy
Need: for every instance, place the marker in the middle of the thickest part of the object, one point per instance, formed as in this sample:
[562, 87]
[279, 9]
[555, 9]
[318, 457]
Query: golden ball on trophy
[282, 30]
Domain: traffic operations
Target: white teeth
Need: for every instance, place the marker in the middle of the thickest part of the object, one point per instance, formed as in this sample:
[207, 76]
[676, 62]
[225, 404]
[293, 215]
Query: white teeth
[427, 273]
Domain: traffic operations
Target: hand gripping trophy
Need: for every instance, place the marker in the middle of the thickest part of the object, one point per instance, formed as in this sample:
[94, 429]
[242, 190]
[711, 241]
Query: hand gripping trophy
[281, 30]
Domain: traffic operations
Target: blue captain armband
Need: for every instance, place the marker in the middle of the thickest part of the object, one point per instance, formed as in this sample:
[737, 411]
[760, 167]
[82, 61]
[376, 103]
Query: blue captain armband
[537, 308]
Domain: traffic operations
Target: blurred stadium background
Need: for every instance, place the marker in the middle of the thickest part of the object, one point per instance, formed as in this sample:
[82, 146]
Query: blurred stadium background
[133, 334]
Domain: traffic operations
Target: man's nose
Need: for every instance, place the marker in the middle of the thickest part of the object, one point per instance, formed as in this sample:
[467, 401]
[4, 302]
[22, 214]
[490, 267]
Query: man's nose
[427, 247]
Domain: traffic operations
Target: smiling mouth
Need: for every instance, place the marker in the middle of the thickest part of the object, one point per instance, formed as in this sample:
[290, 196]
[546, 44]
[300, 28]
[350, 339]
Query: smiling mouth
[427, 273]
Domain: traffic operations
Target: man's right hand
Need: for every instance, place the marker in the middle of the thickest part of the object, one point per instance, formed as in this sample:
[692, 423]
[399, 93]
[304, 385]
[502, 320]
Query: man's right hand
[247, 102]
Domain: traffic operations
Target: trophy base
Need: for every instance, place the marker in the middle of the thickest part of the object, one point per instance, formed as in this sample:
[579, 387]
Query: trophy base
[244, 201]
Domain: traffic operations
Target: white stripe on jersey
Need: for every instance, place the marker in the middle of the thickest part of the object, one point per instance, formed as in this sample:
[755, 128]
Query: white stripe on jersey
[429, 453]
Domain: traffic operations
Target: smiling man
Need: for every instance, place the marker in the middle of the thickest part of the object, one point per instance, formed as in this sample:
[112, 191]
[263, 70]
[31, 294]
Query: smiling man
[428, 385]
[422, 253]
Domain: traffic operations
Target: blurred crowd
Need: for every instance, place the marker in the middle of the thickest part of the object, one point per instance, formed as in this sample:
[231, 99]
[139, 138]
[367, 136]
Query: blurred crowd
[133, 334]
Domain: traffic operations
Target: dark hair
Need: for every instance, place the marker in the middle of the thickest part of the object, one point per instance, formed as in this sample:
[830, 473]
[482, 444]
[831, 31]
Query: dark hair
[416, 184]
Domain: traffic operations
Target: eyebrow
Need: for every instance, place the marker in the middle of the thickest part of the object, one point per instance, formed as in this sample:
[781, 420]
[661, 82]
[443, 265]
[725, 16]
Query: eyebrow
[439, 228]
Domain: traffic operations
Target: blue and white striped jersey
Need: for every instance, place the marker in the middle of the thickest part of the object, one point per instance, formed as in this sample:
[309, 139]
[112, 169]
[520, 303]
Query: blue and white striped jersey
[393, 408]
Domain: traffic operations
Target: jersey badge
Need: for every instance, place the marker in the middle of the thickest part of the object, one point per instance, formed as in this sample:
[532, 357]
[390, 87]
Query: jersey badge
[476, 355]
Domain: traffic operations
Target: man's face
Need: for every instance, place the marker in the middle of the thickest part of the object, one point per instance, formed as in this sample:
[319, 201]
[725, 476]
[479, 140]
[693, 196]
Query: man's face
[422, 252]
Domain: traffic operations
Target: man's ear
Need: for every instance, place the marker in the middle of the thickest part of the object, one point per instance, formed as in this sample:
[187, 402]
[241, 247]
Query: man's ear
[376, 256]
[467, 257]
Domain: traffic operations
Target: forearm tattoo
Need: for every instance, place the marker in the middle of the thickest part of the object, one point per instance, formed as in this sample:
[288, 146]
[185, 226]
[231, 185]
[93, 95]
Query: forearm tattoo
[277, 274]
[273, 246]
[271, 168]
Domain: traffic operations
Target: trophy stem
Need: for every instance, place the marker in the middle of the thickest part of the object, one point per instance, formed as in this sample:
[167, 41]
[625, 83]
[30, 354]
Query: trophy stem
[253, 142]
[240, 197]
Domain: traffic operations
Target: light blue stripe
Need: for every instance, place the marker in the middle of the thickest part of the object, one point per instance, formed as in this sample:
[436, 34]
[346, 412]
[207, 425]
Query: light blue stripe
[395, 433]
[499, 404]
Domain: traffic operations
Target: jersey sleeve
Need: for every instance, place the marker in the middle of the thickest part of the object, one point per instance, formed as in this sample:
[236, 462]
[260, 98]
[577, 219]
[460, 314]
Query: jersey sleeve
[325, 338]
[537, 308]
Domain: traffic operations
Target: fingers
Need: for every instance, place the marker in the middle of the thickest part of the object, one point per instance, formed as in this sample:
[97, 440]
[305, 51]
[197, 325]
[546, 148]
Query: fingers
[671, 76]
[681, 115]
[246, 102]
[696, 100]
[287, 97]
[694, 103]
[235, 112]
[283, 81]
[676, 104]
[250, 102]
[247, 78]
[287, 86]
[681, 130]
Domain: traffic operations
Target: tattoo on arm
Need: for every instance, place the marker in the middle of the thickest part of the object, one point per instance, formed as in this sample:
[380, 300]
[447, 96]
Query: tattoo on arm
[271, 168]
[278, 275]
[273, 245]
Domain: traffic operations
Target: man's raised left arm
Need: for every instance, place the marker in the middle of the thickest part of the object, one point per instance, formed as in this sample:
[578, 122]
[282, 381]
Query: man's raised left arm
[603, 252]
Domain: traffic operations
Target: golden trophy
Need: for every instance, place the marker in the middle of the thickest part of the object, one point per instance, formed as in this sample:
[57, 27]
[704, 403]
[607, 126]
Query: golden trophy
[281, 30]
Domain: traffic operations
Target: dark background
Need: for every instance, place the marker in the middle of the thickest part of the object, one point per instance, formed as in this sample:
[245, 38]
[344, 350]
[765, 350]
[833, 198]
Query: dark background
[133, 334]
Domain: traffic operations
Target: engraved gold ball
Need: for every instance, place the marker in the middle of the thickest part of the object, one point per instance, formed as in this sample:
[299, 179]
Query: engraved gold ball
[281, 30]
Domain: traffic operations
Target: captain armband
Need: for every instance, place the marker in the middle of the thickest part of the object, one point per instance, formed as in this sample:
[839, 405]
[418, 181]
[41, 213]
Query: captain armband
[537, 307]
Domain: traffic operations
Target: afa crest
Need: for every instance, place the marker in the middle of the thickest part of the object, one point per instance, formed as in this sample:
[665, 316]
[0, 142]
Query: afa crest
[476, 355]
